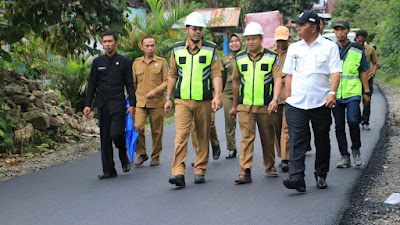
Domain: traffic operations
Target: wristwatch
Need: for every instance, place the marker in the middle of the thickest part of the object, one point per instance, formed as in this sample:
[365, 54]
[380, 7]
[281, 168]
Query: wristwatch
[276, 98]
[167, 98]
[367, 93]
[332, 93]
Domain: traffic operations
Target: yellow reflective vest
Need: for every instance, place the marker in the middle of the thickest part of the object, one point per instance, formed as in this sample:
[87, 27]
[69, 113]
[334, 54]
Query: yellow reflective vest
[257, 82]
[350, 82]
[194, 71]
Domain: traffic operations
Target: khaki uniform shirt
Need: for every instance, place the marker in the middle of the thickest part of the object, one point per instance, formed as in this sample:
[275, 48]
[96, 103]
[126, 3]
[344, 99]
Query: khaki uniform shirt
[216, 65]
[371, 57]
[280, 60]
[228, 62]
[147, 77]
[236, 77]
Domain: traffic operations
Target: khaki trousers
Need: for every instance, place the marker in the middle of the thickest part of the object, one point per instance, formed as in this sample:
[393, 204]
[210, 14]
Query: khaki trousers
[282, 133]
[213, 133]
[186, 113]
[265, 123]
[156, 124]
[230, 124]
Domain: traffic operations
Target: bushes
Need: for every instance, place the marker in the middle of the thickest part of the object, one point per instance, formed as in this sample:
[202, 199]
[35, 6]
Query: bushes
[388, 41]
[69, 77]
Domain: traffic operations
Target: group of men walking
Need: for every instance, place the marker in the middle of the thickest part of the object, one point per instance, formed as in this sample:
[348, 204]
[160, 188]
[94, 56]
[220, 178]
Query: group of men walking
[280, 90]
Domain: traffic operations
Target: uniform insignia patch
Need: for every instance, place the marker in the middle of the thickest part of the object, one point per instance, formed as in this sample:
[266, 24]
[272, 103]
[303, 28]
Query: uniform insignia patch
[216, 57]
[278, 62]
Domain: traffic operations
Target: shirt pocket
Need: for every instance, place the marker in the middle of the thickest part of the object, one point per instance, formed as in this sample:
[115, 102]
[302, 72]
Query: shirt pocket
[352, 67]
[156, 76]
[321, 63]
[139, 76]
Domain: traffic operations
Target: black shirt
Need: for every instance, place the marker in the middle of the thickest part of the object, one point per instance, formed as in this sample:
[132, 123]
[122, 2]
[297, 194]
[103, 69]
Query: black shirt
[108, 76]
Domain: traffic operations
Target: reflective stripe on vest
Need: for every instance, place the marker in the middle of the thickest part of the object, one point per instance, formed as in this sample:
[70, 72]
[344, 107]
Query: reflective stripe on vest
[194, 72]
[350, 83]
[256, 81]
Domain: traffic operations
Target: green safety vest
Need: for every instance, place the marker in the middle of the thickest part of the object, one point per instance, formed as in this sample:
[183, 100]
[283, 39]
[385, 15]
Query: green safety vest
[194, 71]
[257, 82]
[350, 83]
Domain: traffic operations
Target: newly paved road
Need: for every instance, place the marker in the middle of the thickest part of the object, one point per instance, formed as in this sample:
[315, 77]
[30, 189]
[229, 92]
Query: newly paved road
[71, 193]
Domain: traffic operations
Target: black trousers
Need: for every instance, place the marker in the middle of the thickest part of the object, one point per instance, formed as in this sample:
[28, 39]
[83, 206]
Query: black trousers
[298, 121]
[112, 129]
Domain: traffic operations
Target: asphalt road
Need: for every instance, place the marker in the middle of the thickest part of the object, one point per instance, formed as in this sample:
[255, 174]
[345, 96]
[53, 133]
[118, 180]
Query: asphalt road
[70, 193]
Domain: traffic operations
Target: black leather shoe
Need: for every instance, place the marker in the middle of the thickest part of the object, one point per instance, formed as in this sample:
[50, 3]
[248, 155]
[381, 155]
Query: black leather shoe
[295, 183]
[216, 152]
[107, 175]
[231, 154]
[178, 180]
[199, 179]
[321, 182]
[126, 167]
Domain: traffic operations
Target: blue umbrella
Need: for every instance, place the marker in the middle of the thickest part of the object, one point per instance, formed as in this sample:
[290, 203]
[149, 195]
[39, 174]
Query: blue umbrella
[131, 135]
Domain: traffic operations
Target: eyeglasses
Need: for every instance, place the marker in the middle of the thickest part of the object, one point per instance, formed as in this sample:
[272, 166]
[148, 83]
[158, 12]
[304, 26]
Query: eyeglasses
[196, 28]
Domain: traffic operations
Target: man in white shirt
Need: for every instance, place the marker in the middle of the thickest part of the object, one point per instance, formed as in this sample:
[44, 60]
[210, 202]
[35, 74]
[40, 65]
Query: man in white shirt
[310, 96]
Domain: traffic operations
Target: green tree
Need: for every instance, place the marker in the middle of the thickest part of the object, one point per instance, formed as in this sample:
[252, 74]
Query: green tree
[388, 40]
[346, 10]
[69, 24]
[288, 8]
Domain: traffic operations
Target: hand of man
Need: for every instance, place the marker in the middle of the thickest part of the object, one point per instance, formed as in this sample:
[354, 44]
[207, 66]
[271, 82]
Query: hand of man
[272, 106]
[168, 107]
[131, 110]
[151, 94]
[366, 100]
[216, 103]
[232, 113]
[330, 101]
[86, 112]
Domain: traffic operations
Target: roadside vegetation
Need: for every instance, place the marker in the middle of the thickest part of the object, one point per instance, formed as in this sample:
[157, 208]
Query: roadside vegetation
[381, 20]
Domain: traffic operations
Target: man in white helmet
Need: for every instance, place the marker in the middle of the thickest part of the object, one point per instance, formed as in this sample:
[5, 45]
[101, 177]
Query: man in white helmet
[256, 72]
[195, 71]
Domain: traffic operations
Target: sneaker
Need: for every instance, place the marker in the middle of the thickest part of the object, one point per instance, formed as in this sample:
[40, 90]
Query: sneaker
[344, 162]
[366, 127]
[284, 165]
[357, 157]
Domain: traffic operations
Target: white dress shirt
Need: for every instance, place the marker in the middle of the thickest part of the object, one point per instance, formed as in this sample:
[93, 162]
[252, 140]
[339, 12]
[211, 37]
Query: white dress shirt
[311, 67]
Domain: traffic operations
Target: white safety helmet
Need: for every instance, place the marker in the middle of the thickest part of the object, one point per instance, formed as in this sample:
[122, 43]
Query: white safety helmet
[195, 19]
[253, 28]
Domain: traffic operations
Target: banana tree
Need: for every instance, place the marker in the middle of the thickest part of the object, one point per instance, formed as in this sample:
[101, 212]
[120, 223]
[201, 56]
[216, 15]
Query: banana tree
[158, 23]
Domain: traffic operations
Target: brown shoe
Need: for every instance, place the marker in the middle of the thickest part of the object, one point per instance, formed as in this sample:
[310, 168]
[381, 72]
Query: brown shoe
[271, 172]
[243, 178]
[140, 160]
[155, 162]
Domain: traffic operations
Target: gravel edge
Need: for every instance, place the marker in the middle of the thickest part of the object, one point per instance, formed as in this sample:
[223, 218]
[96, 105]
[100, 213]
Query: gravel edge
[381, 177]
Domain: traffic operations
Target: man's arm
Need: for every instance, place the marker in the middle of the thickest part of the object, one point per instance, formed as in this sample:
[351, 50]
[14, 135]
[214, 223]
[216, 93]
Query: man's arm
[172, 76]
[92, 84]
[288, 85]
[364, 80]
[331, 99]
[235, 90]
[216, 68]
[130, 88]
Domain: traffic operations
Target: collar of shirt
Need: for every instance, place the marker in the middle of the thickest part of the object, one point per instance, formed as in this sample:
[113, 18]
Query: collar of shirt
[193, 48]
[319, 40]
[155, 57]
[252, 57]
[112, 57]
[341, 49]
